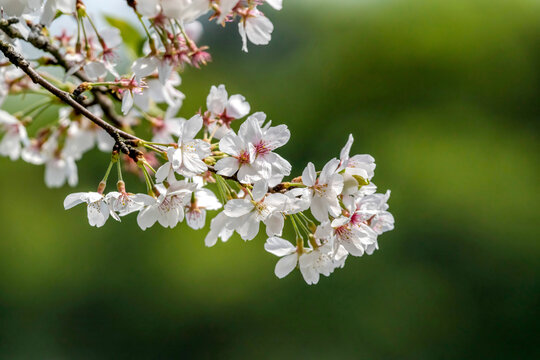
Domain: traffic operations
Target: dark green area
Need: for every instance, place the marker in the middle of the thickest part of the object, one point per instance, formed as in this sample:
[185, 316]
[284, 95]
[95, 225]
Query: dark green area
[444, 94]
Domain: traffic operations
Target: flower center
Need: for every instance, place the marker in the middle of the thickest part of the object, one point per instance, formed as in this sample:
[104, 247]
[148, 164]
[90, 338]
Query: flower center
[244, 157]
[261, 148]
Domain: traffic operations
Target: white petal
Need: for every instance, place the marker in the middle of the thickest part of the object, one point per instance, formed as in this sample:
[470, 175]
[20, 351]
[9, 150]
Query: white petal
[309, 175]
[238, 107]
[285, 265]
[217, 100]
[192, 127]
[238, 207]
[311, 276]
[127, 102]
[227, 166]
[231, 144]
[279, 246]
[147, 217]
[250, 228]
[319, 208]
[274, 224]
[276, 4]
[328, 171]
[260, 189]
[163, 172]
[344, 155]
[277, 136]
[259, 29]
[242, 31]
[73, 200]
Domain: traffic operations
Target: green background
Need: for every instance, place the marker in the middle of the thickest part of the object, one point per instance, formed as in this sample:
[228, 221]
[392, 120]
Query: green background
[445, 96]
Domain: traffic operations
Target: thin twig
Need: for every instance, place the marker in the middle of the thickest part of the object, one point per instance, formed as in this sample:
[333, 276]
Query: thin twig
[118, 135]
[41, 42]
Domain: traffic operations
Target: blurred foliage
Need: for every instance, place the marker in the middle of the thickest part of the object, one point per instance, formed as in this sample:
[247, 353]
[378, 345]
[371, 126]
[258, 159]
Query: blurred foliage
[444, 94]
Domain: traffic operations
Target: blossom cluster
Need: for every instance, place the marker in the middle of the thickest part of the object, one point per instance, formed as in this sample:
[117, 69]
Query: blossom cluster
[223, 160]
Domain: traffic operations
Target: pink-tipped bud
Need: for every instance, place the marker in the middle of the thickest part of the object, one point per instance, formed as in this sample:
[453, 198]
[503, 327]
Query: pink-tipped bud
[101, 187]
[121, 186]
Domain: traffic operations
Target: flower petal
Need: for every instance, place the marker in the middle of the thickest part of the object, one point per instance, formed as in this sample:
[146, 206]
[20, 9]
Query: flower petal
[279, 246]
[285, 265]
[238, 207]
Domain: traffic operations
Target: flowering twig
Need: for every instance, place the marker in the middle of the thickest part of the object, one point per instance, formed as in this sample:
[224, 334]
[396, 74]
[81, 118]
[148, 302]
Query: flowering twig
[41, 42]
[18, 60]
[334, 212]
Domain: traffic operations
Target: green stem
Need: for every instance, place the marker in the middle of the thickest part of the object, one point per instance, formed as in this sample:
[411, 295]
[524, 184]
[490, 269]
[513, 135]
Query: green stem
[302, 224]
[87, 44]
[298, 235]
[108, 172]
[148, 179]
[150, 147]
[119, 166]
[100, 39]
[150, 38]
[303, 216]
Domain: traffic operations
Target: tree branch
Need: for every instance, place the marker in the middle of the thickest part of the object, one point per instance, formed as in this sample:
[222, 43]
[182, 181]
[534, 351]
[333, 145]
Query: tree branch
[41, 42]
[121, 137]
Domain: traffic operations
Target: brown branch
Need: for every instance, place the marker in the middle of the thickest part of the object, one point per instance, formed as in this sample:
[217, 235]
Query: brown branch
[41, 42]
[122, 138]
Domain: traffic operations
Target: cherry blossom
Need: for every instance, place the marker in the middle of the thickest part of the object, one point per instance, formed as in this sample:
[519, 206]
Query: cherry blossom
[187, 158]
[223, 110]
[287, 252]
[324, 190]
[256, 27]
[249, 212]
[98, 209]
[202, 200]
[270, 165]
[15, 136]
[168, 208]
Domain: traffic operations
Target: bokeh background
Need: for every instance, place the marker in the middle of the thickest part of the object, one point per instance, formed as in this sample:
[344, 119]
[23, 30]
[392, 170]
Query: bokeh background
[445, 96]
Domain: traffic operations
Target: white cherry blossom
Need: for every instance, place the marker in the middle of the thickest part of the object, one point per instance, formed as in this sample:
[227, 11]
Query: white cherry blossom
[98, 209]
[324, 190]
[59, 170]
[168, 208]
[125, 203]
[286, 251]
[187, 159]
[270, 165]
[316, 262]
[224, 110]
[221, 227]
[249, 212]
[256, 27]
[355, 238]
[240, 161]
[185, 10]
[202, 200]
[14, 138]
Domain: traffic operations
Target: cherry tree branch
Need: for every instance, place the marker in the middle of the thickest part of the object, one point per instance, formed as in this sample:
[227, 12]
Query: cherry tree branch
[121, 137]
[41, 42]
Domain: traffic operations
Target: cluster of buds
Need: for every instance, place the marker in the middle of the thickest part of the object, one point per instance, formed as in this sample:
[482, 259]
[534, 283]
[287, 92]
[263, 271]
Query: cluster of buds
[191, 167]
